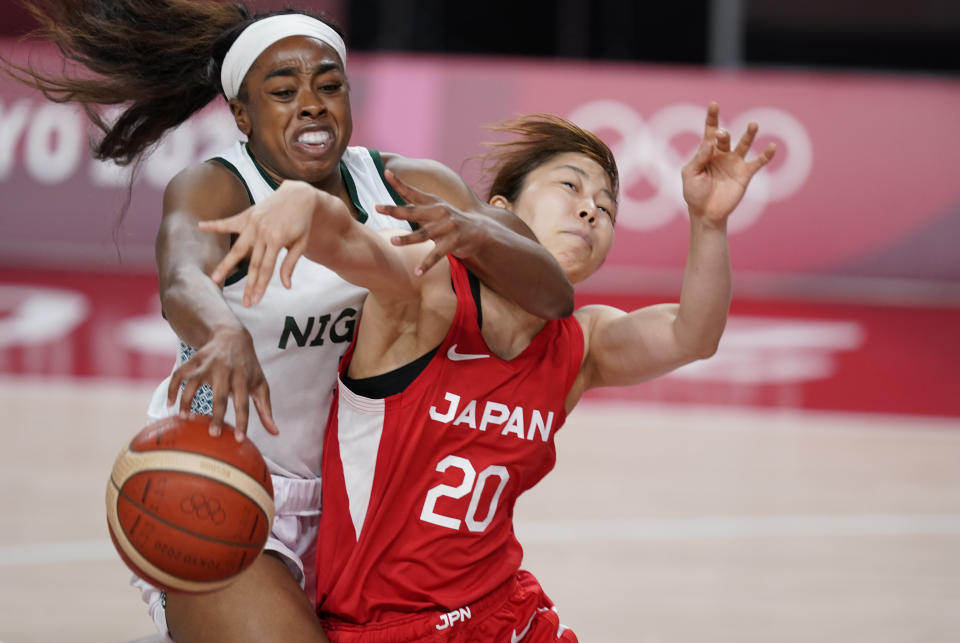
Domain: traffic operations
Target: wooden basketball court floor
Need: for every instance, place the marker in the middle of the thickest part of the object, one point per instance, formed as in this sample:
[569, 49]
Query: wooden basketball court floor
[659, 525]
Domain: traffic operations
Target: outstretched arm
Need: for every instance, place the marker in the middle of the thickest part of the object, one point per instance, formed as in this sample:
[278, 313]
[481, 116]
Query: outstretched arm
[627, 348]
[194, 306]
[404, 316]
[312, 223]
[493, 243]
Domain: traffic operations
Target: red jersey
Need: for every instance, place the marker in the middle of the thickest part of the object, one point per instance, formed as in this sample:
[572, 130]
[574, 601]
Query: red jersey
[419, 487]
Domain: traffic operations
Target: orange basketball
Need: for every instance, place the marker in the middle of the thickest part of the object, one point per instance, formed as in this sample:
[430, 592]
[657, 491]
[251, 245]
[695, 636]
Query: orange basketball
[187, 511]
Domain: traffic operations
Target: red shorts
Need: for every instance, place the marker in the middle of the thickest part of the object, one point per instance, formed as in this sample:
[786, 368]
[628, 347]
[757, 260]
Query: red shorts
[517, 611]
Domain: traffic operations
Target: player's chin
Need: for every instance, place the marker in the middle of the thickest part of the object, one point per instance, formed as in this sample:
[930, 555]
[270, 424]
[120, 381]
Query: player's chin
[315, 172]
[311, 168]
[576, 264]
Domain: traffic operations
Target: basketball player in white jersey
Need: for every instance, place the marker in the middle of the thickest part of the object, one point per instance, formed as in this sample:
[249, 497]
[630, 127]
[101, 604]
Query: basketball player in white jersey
[451, 397]
[284, 76]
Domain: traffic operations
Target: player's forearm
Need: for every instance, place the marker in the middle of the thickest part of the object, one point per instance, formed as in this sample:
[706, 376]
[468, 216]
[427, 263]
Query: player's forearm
[706, 292]
[357, 253]
[191, 302]
[333, 228]
[194, 306]
[509, 259]
[515, 265]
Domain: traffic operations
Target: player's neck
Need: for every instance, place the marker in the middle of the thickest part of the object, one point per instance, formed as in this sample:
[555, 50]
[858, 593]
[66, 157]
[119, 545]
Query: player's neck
[507, 328]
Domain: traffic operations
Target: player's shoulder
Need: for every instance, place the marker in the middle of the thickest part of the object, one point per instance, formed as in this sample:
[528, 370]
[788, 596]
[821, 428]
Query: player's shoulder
[221, 166]
[399, 162]
[210, 172]
[207, 182]
[431, 177]
[590, 316]
[417, 170]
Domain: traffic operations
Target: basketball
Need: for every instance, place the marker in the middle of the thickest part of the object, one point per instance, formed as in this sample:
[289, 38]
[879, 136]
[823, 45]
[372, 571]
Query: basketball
[187, 511]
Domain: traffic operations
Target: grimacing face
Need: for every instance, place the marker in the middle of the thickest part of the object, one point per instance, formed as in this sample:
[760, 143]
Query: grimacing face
[296, 112]
[568, 203]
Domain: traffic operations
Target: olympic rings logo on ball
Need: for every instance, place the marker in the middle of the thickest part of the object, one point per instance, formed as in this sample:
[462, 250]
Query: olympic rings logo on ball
[199, 504]
[646, 151]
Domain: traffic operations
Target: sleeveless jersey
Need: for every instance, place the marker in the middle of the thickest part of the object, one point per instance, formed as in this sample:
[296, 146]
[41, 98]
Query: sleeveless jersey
[419, 487]
[299, 334]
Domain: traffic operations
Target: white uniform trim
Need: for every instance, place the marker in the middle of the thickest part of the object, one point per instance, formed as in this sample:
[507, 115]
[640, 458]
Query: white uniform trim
[358, 449]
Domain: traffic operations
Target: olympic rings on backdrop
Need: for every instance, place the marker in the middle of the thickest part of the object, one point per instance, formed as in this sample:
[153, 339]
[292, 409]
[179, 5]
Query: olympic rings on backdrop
[646, 151]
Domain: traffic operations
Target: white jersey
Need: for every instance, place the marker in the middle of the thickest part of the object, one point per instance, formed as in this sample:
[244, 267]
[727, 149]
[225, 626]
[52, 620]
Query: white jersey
[299, 334]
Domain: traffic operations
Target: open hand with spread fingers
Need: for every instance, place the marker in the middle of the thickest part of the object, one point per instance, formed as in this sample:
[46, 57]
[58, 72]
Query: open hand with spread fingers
[282, 220]
[715, 179]
[454, 231]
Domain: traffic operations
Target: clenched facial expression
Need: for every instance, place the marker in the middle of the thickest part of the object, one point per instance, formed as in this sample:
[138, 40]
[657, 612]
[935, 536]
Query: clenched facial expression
[569, 204]
[294, 107]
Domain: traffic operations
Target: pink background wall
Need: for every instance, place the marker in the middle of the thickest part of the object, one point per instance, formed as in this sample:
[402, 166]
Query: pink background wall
[863, 197]
[847, 277]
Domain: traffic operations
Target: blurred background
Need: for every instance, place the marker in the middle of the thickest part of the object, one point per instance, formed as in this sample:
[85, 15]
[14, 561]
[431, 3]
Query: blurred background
[801, 484]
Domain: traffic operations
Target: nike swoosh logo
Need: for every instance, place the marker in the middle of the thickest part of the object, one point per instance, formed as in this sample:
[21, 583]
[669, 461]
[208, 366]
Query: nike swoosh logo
[454, 356]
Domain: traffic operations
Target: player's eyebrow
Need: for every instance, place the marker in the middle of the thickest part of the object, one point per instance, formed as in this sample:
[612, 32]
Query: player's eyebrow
[290, 70]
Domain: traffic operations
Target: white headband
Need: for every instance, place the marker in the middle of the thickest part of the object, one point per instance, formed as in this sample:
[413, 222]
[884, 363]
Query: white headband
[253, 40]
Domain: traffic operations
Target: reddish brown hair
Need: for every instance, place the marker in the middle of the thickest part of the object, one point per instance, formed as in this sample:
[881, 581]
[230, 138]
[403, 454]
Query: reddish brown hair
[540, 138]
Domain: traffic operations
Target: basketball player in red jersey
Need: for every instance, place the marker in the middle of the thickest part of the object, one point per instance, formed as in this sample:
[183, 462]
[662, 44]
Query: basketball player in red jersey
[450, 399]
